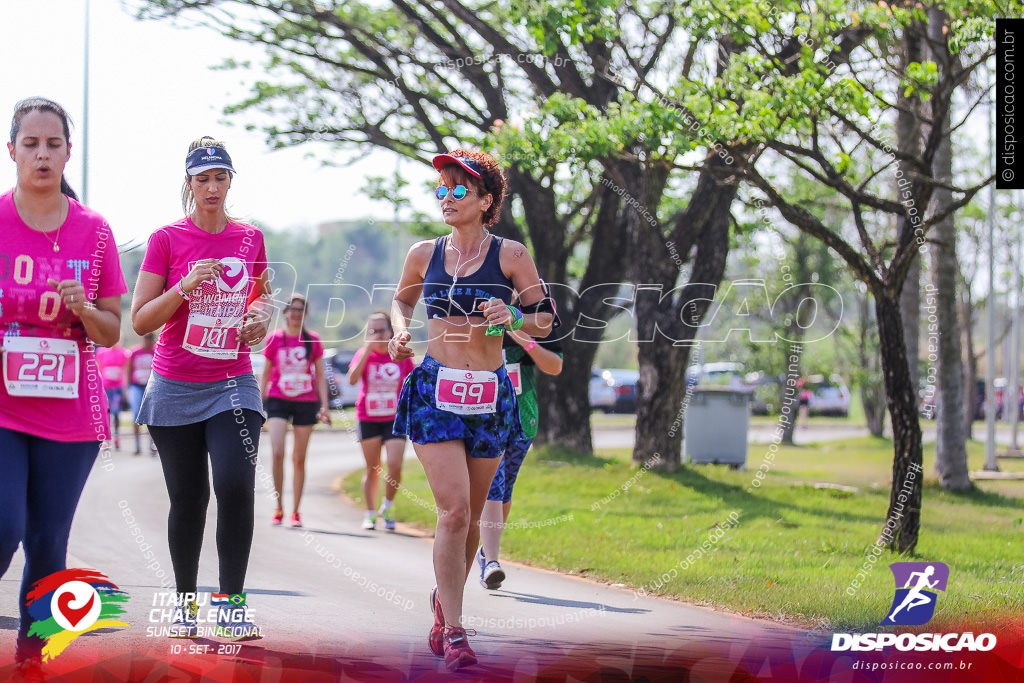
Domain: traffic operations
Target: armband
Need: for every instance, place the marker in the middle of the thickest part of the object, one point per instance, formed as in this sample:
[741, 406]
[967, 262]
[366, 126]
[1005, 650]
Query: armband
[545, 305]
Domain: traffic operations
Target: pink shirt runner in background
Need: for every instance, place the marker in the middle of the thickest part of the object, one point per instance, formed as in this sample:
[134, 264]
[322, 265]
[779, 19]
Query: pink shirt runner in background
[292, 377]
[142, 365]
[44, 342]
[113, 364]
[200, 341]
[381, 383]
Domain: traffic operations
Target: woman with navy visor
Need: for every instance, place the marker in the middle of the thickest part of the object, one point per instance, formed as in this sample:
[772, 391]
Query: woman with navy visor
[459, 406]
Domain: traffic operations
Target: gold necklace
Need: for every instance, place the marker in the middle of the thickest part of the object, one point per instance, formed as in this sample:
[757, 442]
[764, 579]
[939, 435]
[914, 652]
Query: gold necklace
[38, 228]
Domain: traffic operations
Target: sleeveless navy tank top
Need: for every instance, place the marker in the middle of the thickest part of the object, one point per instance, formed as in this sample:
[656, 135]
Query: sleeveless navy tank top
[442, 299]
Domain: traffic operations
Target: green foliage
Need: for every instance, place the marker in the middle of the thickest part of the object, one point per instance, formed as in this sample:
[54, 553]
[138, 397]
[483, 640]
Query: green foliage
[552, 25]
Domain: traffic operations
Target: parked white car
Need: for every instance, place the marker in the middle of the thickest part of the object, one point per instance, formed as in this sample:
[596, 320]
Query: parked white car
[602, 391]
[336, 362]
[826, 396]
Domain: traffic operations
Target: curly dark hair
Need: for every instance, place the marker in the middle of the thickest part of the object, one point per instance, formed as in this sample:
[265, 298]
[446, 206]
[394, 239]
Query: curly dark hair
[492, 181]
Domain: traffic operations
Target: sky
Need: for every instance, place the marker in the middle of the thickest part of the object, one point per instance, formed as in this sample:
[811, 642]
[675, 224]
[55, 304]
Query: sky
[151, 93]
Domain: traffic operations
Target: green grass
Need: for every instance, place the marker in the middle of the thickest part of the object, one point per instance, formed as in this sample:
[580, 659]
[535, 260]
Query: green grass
[795, 550]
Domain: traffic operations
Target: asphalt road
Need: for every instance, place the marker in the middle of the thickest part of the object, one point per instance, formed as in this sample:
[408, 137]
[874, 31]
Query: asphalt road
[333, 590]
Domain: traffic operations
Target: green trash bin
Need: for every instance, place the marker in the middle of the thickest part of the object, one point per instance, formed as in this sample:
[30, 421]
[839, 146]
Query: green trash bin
[715, 427]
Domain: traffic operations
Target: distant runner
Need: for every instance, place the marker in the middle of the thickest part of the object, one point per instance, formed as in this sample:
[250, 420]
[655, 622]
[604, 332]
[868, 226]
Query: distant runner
[294, 389]
[522, 353]
[382, 380]
[140, 365]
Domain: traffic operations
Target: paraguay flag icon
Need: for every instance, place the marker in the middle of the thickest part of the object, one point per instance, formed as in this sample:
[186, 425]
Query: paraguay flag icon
[68, 603]
[917, 586]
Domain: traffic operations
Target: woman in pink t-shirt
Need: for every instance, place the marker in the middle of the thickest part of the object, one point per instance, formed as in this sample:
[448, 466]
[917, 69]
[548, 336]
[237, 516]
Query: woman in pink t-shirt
[375, 409]
[113, 364]
[294, 388]
[202, 402]
[60, 295]
[140, 365]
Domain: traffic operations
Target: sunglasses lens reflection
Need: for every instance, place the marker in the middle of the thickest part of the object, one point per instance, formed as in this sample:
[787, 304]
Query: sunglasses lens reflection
[458, 192]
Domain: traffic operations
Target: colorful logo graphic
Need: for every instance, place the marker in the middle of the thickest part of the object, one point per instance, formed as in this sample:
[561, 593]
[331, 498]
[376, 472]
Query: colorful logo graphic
[235, 276]
[66, 604]
[917, 584]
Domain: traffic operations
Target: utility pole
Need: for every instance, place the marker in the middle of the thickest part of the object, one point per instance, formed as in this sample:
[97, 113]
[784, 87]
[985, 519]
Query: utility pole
[991, 464]
[85, 114]
[1011, 401]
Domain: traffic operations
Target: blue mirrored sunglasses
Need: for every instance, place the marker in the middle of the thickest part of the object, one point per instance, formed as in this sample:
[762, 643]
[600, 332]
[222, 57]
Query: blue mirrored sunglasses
[458, 192]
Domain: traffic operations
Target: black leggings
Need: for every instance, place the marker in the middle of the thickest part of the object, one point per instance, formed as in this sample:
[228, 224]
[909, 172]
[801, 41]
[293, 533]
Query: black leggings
[231, 439]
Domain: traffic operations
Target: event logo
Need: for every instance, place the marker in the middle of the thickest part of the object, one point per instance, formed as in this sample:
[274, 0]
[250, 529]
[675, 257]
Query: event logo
[235, 276]
[914, 603]
[68, 603]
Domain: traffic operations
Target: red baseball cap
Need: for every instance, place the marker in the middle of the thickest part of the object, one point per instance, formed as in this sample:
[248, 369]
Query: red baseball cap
[472, 166]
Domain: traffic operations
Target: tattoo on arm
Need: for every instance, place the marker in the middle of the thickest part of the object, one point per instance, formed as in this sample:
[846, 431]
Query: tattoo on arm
[520, 253]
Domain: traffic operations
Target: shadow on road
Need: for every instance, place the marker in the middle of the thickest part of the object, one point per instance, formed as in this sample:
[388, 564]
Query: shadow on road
[555, 602]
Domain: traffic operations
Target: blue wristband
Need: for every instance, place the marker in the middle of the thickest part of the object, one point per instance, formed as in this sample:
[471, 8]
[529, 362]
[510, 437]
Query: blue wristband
[518, 321]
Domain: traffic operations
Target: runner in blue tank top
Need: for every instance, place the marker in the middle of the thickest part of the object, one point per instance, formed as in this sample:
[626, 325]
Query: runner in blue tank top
[459, 407]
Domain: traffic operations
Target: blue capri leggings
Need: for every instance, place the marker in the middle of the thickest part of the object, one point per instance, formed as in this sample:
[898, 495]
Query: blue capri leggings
[39, 491]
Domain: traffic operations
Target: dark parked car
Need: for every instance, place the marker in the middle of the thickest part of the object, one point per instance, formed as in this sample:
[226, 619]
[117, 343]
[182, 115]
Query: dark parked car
[336, 362]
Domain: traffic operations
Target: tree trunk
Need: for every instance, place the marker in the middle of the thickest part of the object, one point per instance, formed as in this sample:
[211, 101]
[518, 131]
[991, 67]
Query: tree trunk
[660, 312]
[943, 328]
[903, 518]
[659, 425]
[872, 385]
[910, 313]
[795, 330]
[564, 401]
[908, 140]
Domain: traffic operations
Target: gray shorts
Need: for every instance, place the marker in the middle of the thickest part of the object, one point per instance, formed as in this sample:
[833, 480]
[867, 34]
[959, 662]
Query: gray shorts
[170, 403]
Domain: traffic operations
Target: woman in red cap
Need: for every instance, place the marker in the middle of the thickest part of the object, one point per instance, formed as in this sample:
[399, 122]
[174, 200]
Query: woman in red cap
[459, 406]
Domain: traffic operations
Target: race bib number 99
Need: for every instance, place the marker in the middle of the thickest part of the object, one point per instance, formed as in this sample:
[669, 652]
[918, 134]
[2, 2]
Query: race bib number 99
[466, 392]
[39, 366]
[212, 337]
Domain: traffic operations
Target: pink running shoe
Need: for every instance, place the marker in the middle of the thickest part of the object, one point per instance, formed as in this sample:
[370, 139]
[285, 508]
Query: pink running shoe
[436, 639]
[457, 653]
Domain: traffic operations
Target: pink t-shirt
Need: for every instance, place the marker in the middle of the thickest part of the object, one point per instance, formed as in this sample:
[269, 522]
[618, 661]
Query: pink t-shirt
[142, 365]
[381, 383]
[44, 342]
[113, 364]
[200, 341]
[292, 376]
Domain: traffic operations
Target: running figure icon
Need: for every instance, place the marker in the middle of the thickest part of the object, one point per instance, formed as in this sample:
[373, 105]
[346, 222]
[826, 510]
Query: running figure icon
[916, 597]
